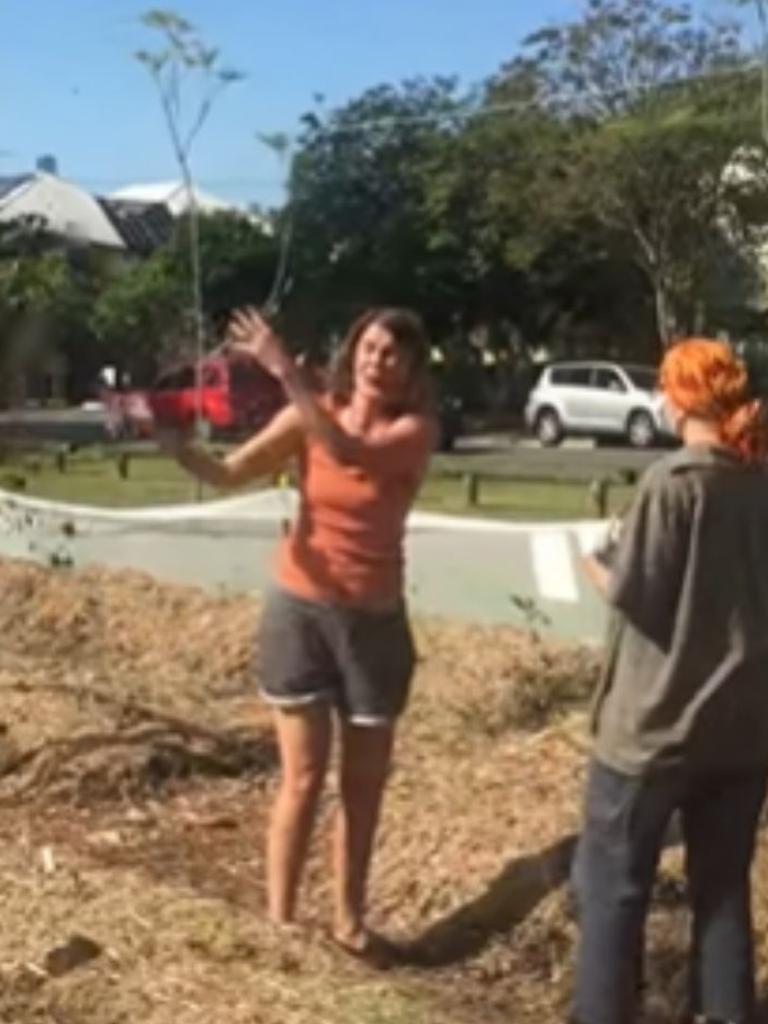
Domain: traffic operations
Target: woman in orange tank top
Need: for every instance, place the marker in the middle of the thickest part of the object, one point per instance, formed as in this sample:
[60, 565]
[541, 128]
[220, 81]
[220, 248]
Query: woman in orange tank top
[334, 636]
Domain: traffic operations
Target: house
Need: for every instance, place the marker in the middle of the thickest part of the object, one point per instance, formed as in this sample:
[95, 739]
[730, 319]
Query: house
[174, 196]
[75, 216]
[128, 225]
[64, 210]
[73, 220]
[143, 226]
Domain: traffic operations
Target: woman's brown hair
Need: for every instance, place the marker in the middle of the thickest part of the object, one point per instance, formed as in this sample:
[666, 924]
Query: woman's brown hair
[705, 378]
[410, 337]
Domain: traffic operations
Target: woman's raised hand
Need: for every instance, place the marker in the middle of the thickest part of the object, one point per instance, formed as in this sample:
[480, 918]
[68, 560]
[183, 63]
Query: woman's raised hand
[250, 335]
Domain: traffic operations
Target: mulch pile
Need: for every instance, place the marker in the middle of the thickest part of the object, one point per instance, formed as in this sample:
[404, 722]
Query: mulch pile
[136, 771]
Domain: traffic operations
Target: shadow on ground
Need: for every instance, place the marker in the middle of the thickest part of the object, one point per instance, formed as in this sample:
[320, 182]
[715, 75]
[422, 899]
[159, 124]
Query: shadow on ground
[507, 901]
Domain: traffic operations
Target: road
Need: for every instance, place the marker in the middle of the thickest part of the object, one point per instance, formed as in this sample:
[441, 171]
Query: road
[79, 426]
[509, 455]
[499, 454]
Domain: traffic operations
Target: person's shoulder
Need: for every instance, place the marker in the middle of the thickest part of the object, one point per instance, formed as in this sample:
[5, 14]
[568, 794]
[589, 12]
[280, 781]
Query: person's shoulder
[667, 479]
[660, 472]
[687, 461]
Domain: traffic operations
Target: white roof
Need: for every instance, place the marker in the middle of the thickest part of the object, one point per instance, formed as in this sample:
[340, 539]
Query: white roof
[173, 195]
[66, 209]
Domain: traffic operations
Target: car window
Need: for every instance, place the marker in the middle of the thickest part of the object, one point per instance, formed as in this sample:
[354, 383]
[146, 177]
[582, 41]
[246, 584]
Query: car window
[644, 377]
[571, 376]
[608, 380]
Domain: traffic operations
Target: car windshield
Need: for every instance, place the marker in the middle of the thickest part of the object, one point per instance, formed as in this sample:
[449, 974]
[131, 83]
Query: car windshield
[643, 377]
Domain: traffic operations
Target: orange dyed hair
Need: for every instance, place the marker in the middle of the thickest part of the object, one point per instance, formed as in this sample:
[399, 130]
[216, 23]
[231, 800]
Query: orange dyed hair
[705, 378]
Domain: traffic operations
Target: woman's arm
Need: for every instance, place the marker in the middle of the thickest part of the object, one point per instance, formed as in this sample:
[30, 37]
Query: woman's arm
[646, 572]
[263, 454]
[408, 441]
[598, 574]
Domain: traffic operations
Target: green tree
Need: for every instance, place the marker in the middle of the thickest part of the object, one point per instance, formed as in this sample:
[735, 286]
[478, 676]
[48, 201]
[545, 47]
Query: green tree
[654, 108]
[39, 294]
[239, 256]
[357, 196]
[141, 317]
[760, 8]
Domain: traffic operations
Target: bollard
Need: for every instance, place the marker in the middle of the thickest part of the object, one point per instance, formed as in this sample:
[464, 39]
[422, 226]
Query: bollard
[628, 477]
[471, 490]
[61, 460]
[14, 482]
[123, 465]
[599, 493]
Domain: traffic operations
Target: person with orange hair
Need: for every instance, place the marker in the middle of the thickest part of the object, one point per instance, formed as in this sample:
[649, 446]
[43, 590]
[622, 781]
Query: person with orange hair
[680, 722]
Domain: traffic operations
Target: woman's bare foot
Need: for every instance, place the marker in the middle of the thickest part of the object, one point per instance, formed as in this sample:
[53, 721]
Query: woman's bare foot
[284, 930]
[284, 924]
[354, 938]
[367, 946]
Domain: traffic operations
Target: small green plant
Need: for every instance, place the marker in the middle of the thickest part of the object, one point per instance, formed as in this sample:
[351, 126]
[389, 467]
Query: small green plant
[281, 146]
[533, 616]
[60, 558]
[522, 682]
[189, 79]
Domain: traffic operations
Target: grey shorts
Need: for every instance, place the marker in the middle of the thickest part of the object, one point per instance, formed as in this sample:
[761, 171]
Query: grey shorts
[361, 662]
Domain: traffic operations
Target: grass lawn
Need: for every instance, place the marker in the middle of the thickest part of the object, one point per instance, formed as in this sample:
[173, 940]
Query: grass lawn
[92, 478]
[522, 500]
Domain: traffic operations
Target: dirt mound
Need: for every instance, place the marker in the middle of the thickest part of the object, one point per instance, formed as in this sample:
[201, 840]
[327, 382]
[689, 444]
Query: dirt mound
[171, 641]
[98, 668]
[113, 686]
[139, 770]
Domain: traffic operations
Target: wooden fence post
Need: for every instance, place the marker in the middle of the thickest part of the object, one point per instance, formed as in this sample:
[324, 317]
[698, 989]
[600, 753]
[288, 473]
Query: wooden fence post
[471, 490]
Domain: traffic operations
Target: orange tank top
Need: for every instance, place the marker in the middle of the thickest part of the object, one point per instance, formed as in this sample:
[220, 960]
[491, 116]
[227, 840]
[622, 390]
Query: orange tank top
[346, 545]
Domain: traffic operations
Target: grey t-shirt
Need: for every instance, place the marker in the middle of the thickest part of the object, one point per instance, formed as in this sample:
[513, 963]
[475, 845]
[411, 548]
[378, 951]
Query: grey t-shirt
[686, 674]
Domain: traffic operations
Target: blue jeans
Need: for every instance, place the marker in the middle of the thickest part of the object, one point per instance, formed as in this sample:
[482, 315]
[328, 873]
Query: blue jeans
[626, 820]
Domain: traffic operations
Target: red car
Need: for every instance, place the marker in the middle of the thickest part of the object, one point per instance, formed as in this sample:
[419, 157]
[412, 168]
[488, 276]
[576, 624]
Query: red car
[236, 397]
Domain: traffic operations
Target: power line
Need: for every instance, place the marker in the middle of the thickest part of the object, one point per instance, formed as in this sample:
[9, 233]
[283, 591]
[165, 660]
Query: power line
[537, 103]
[226, 182]
[454, 114]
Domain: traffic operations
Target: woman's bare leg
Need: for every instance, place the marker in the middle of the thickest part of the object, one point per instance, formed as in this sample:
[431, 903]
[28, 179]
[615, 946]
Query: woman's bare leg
[304, 740]
[365, 758]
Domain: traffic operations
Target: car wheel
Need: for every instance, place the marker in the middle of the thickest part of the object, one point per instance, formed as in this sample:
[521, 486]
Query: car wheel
[641, 430]
[549, 429]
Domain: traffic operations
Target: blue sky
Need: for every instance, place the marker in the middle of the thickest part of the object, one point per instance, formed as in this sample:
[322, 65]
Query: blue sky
[69, 86]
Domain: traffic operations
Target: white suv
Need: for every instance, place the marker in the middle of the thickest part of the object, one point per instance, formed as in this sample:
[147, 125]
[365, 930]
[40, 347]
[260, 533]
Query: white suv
[597, 399]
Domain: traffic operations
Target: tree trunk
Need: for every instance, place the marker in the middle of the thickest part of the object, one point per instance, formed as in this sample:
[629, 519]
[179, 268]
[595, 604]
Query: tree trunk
[652, 263]
[666, 322]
